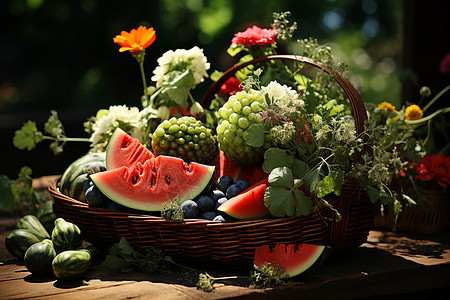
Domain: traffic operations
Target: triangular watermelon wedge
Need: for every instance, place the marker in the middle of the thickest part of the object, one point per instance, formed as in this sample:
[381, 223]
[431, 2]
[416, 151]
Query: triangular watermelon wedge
[292, 259]
[248, 204]
[124, 150]
[159, 180]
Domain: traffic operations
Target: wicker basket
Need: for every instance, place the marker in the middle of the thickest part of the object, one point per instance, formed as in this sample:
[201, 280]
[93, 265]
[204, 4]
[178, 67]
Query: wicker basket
[430, 218]
[231, 242]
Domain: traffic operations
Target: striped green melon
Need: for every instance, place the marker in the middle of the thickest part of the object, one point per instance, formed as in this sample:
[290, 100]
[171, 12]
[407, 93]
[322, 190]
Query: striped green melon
[66, 235]
[32, 223]
[77, 168]
[71, 264]
[19, 240]
[39, 257]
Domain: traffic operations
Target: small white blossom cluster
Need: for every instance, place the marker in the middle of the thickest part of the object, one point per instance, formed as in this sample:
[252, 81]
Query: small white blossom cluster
[283, 134]
[283, 95]
[345, 130]
[180, 60]
[116, 116]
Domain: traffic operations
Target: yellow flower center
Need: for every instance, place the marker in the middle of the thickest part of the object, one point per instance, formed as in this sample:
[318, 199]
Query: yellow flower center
[413, 112]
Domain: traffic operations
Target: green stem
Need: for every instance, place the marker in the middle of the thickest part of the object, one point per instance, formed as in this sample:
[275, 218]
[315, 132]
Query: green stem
[190, 97]
[424, 120]
[436, 97]
[144, 81]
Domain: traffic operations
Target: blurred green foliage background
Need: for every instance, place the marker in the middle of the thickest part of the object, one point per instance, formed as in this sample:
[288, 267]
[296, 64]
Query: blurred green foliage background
[59, 54]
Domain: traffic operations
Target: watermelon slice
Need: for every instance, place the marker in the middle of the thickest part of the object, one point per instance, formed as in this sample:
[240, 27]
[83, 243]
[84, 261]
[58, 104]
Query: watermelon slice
[248, 204]
[124, 150]
[148, 186]
[252, 173]
[292, 259]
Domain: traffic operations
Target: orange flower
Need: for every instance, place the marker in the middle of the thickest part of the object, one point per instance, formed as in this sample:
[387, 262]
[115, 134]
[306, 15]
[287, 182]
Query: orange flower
[413, 112]
[386, 106]
[135, 40]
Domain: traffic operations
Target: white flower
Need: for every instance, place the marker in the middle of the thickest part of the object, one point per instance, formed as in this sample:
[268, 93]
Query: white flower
[282, 94]
[117, 115]
[181, 60]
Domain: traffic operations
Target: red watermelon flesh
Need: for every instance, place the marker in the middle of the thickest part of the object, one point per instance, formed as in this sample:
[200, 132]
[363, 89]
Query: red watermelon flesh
[292, 259]
[124, 150]
[252, 173]
[248, 204]
[159, 180]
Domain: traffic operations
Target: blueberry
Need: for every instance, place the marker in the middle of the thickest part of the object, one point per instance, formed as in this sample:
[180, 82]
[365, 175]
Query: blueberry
[217, 194]
[206, 203]
[244, 184]
[94, 196]
[233, 190]
[224, 182]
[207, 215]
[220, 201]
[219, 218]
[113, 206]
[190, 209]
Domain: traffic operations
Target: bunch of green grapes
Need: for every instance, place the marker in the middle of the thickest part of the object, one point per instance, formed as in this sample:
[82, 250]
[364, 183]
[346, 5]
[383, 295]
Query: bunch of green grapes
[236, 116]
[185, 137]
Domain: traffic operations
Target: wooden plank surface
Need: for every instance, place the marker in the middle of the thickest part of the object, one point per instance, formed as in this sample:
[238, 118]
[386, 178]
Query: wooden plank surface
[388, 264]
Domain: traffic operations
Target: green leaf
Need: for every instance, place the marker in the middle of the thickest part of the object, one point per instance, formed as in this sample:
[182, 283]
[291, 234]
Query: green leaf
[53, 126]
[373, 193]
[281, 177]
[299, 168]
[325, 186]
[27, 137]
[338, 177]
[177, 87]
[303, 203]
[8, 201]
[233, 50]
[275, 157]
[409, 200]
[25, 177]
[254, 135]
[312, 179]
[279, 201]
[216, 75]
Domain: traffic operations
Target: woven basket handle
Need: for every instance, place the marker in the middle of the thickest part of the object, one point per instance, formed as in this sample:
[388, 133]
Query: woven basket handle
[358, 108]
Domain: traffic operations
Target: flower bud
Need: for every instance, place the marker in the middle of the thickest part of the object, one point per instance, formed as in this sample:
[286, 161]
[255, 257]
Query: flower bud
[196, 108]
[163, 112]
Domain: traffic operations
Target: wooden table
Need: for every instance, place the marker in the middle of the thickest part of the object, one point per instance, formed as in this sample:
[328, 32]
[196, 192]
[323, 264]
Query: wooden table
[388, 264]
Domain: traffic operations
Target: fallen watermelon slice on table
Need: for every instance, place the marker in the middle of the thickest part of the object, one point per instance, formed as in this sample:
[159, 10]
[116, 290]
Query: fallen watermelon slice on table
[292, 259]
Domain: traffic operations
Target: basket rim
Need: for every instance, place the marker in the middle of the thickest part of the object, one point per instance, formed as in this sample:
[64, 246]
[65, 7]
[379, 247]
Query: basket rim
[56, 193]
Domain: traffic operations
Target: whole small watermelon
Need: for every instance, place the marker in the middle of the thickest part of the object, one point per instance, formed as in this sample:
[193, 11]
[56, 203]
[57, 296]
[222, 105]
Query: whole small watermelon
[19, 240]
[66, 235]
[39, 257]
[71, 264]
[73, 181]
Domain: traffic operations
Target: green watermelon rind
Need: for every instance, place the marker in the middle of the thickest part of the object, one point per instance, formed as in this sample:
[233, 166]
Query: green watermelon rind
[290, 254]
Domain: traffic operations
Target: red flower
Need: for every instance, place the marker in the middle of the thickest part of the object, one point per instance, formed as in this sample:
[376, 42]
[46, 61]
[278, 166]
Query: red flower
[444, 66]
[231, 86]
[254, 36]
[435, 167]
